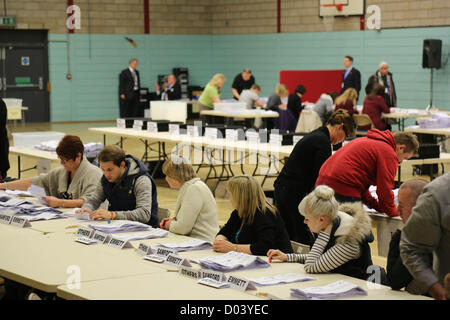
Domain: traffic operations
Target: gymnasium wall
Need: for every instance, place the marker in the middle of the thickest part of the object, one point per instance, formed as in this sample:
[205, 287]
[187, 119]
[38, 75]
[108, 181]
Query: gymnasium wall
[95, 64]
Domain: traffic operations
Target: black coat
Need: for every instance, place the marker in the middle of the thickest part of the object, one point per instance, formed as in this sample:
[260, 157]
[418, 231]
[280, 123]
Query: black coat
[173, 93]
[4, 142]
[303, 165]
[353, 80]
[294, 105]
[126, 83]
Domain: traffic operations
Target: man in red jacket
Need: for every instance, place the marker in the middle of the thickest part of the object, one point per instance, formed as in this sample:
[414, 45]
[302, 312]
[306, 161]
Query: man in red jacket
[372, 160]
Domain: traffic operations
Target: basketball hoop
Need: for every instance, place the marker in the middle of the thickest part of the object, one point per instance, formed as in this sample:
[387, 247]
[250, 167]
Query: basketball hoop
[339, 6]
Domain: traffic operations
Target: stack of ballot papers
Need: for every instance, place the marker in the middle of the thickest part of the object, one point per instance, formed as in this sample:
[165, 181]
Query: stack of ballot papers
[195, 244]
[280, 279]
[18, 193]
[120, 226]
[152, 234]
[40, 216]
[232, 261]
[91, 149]
[335, 290]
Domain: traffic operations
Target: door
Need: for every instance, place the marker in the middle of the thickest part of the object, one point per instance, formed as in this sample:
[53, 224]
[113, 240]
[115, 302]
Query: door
[24, 73]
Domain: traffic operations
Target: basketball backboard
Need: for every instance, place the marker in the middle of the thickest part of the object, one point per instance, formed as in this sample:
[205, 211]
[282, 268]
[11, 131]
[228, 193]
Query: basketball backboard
[341, 8]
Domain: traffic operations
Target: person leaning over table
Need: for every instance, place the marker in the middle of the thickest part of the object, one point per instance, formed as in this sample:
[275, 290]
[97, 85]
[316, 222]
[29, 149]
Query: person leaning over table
[426, 232]
[242, 81]
[368, 161]
[128, 187]
[344, 233]
[196, 209]
[211, 93]
[255, 225]
[324, 106]
[67, 186]
[397, 275]
[299, 174]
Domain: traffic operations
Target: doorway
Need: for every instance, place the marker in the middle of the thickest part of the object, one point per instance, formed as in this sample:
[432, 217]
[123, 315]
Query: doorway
[24, 71]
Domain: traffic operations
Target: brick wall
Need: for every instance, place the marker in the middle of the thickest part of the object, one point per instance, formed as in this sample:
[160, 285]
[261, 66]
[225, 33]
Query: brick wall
[217, 16]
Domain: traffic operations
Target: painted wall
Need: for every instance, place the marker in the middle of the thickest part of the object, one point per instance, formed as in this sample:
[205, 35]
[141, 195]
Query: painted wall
[96, 64]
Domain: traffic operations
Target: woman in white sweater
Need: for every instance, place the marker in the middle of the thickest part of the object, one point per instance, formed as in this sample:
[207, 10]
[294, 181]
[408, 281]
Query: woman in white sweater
[196, 209]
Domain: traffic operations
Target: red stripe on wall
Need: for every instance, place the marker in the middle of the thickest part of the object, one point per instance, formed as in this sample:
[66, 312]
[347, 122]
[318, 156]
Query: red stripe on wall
[146, 16]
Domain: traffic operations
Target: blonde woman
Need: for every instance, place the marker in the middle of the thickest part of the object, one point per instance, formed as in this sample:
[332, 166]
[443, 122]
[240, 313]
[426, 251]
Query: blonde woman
[274, 103]
[347, 101]
[211, 93]
[196, 209]
[344, 233]
[255, 225]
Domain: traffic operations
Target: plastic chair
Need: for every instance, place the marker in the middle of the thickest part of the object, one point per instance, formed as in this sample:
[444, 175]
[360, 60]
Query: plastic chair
[299, 247]
[362, 120]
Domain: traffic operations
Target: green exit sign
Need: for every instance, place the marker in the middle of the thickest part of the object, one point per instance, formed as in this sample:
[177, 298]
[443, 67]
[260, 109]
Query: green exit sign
[7, 21]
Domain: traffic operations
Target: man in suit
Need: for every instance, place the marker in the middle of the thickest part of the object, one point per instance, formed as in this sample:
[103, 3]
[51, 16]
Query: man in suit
[129, 85]
[4, 142]
[351, 77]
[171, 90]
[384, 77]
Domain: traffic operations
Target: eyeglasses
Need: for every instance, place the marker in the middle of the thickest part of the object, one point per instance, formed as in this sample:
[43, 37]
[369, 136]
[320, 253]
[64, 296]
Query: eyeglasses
[64, 161]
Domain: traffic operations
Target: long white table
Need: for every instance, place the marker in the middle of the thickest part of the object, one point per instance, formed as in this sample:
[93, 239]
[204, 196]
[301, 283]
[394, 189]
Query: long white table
[44, 158]
[47, 258]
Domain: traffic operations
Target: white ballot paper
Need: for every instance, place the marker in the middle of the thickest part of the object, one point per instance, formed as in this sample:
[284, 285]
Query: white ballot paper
[280, 279]
[120, 226]
[41, 216]
[123, 241]
[213, 283]
[37, 192]
[195, 244]
[334, 290]
[232, 261]
[152, 234]
[18, 193]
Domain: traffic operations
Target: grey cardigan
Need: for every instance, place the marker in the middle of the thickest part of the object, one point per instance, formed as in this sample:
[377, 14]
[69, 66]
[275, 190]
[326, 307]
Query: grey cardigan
[83, 183]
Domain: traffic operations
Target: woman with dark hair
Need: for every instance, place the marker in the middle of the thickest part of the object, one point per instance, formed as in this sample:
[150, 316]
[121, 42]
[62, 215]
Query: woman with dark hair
[374, 105]
[66, 186]
[4, 143]
[299, 174]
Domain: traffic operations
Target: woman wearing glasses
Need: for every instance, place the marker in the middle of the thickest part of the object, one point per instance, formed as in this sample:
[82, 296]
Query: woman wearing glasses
[254, 226]
[65, 186]
[300, 172]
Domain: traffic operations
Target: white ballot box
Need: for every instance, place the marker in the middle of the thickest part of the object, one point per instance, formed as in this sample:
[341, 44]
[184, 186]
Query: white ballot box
[168, 110]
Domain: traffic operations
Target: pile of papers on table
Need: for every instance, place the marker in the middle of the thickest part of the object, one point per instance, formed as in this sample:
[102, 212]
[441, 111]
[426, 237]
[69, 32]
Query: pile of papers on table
[195, 244]
[120, 226]
[232, 261]
[335, 290]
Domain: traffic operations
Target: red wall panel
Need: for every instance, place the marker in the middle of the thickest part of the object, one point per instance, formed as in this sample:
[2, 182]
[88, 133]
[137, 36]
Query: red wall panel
[316, 82]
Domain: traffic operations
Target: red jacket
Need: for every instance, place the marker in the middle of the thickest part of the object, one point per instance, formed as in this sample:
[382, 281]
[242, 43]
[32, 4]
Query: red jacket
[373, 108]
[363, 162]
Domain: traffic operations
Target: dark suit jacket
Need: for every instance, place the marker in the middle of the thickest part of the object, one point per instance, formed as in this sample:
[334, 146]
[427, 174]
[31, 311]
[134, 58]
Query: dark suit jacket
[353, 80]
[173, 93]
[4, 142]
[126, 83]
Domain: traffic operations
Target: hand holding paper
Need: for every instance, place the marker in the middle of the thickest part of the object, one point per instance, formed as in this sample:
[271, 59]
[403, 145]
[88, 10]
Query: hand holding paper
[38, 192]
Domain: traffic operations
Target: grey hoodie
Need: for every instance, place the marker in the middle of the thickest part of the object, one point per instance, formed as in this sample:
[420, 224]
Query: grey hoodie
[142, 191]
